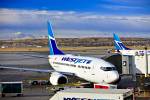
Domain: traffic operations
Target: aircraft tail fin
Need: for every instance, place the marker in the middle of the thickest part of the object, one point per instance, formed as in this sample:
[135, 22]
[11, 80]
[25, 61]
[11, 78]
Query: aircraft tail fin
[118, 43]
[53, 49]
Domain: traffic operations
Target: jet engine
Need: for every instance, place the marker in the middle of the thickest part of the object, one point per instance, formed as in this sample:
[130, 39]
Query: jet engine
[57, 78]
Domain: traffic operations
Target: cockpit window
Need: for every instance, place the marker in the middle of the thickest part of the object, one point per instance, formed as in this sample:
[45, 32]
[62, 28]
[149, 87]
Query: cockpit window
[108, 68]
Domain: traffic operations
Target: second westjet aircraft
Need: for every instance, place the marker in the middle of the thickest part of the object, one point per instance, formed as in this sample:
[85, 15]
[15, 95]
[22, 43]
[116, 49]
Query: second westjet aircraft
[91, 69]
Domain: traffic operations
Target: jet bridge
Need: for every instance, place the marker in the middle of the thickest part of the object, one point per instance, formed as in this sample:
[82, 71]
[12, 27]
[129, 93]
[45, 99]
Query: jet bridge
[136, 62]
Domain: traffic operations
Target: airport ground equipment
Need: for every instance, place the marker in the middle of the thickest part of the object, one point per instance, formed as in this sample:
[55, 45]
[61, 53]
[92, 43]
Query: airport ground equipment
[93, 94]
[136, 62]
[105, 86]
[39, 82]
[11, 88]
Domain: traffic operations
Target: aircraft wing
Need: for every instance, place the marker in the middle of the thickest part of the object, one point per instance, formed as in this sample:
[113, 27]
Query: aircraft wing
[36, 56]
[27, 69]
[33, 70]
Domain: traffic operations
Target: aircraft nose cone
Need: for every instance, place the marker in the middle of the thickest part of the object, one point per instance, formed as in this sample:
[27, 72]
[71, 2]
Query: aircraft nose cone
[112, 77]
[115, 78]
[117, 81]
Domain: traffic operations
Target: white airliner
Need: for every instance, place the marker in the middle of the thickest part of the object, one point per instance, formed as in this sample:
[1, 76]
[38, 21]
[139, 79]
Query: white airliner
[91, 69]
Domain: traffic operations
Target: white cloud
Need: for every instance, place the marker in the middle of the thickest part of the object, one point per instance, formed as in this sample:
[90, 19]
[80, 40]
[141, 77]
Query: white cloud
[70, 22]
[17, 33]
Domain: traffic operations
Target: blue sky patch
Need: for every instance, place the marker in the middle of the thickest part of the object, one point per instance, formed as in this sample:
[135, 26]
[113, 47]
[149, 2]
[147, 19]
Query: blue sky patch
[74, 18]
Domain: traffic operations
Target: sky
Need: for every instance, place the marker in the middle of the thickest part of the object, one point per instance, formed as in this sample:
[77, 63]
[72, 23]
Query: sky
[74, 18]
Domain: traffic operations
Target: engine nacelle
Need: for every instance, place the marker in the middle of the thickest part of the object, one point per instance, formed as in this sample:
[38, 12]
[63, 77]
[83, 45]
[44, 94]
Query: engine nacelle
[57, 78]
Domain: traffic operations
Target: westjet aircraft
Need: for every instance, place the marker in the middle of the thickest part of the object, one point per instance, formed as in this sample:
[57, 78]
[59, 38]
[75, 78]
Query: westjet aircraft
[91, 69]
[118, 44]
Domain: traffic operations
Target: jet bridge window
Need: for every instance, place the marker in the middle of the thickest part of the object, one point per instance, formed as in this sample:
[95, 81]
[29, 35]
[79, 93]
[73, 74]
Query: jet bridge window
[108, 68]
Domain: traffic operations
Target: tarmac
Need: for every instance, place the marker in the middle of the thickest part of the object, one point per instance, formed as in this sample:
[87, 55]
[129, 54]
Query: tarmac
[35, 92]
[31, 93]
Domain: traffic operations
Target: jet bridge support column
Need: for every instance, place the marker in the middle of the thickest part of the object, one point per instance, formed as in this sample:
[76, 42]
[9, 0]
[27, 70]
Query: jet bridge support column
[146, 62]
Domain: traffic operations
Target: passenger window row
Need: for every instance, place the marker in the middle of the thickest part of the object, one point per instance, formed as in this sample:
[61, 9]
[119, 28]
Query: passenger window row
[84, 67]
[72, 65]
[64, 64]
